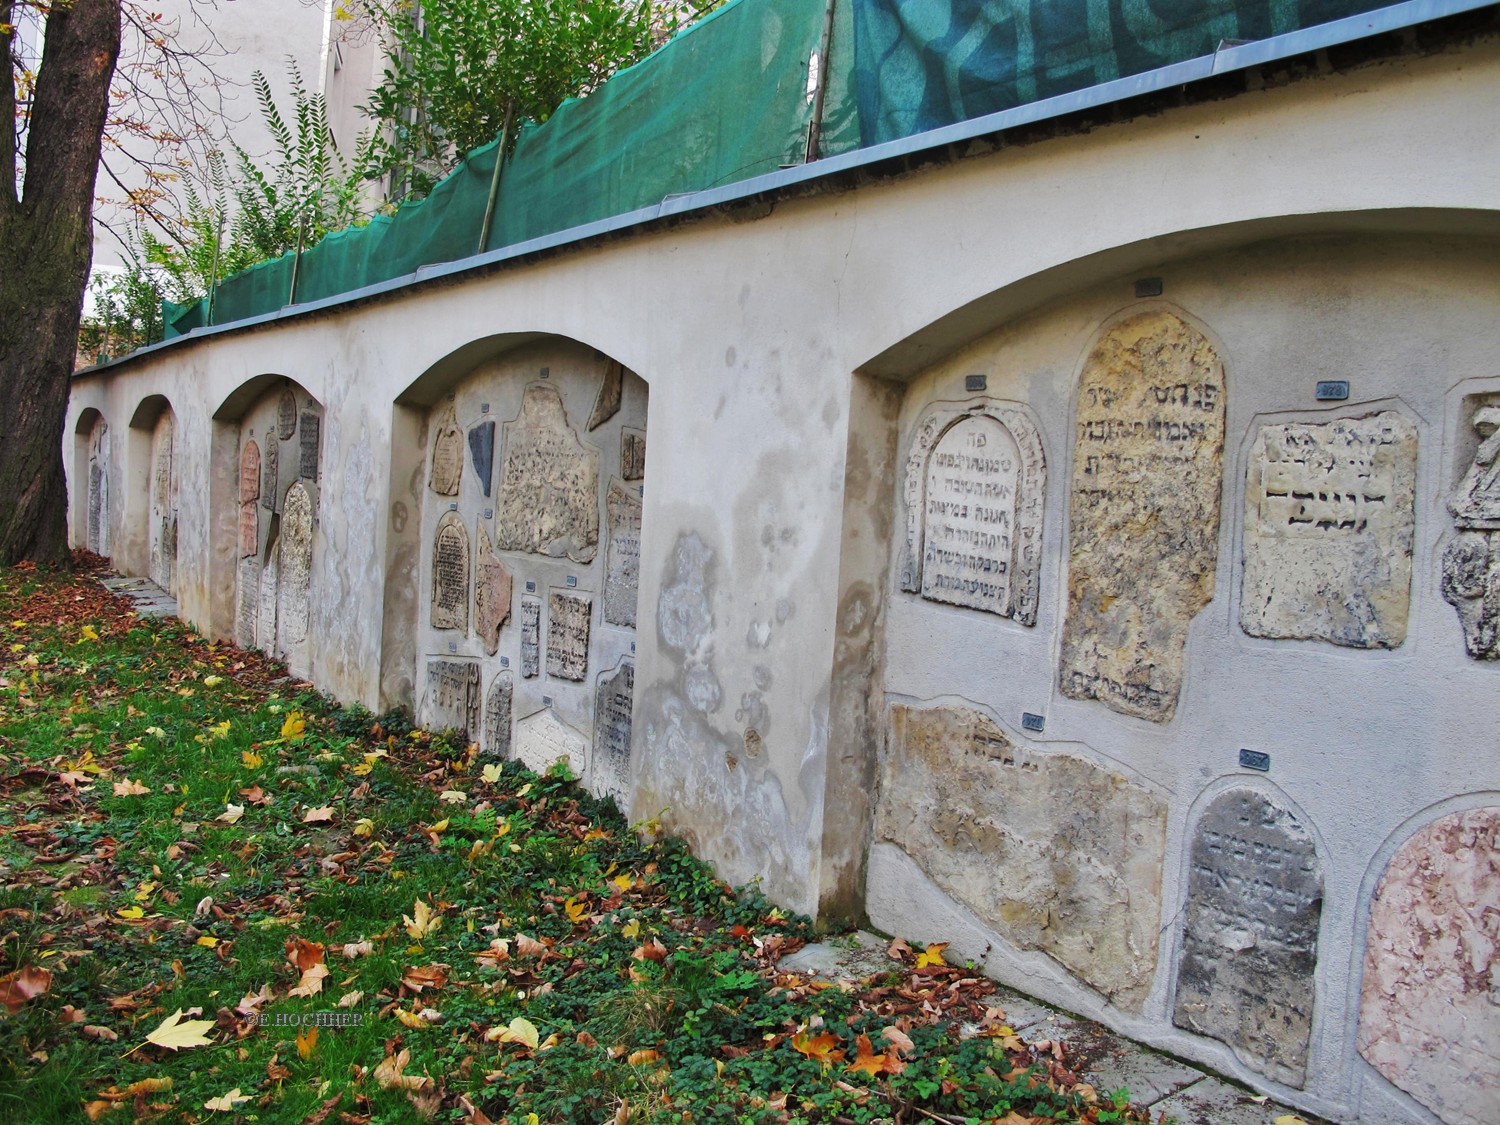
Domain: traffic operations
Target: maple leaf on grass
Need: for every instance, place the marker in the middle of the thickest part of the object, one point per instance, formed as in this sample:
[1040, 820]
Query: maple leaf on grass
[868, 1062]
[175, 1033]
[824, 1048]
[128, 788]
[22, 985]
[229, 1102]
[422, 921]
[389, 1074]
[520, 1030]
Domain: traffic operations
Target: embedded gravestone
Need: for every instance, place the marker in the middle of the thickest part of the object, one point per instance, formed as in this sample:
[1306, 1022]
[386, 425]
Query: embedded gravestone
[1328, 531]
[568, 635]
[1250, 942]
[622, 555]
[609, 773]
[270, 488]
[1054, 852]
[286, 415]
[247, 603]
[542, 739]
[162, 498]
[450, 574]
[250, 472]
[1471, 561]
[531, 637]
[453, 696]
[1428, 1018]
[270, 587]
[164, 554]
[497, 709]
[611, 392]
[307, 446]
[447, 456]
[482, 451]
[975, 478]
[296, 568]
[491, 594]
[632, 454]
[547, 498]
[249, 528]
[98, 506]
[1144, 518]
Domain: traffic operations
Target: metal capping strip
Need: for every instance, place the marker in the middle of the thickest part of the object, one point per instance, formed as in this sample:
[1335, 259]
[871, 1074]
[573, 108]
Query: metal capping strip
[1223, 61]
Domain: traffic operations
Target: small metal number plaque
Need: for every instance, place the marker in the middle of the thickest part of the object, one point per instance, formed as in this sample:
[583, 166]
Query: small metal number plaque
[1033, 722]
[1255, 760]
[1332, 390]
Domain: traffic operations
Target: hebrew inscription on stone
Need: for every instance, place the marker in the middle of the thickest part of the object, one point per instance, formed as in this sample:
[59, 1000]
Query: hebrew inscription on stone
[609, 774]
[622, 555]
[247, 603]
[632, 454]
[450, 574]
[491, 594]
[307, 446]
[453, 695]
[250, 472]
[547, 498]
[270, 586]
[482, 451]
[531, 637]
[975, 478]
[270, 487]
[1053, 851]
[163, 498]
[249, 528]
[98, 513]
[568, 635]
[1471, 561]
[296, 568]
[286, 415]
[1428, 1017]
[447, 456]
[1250, 946]
[1328, 531]
[543, 739]
[1147, 472]
[497, 711]
[611, 391]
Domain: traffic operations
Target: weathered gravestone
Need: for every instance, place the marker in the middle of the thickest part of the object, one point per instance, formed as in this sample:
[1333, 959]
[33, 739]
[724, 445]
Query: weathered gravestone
[270, 485]
[1429, 1020]
[609, 773]
[1052, 851]
[453, 696]
[1147, 473]
[247, 602]
[611, 392]
[249, 495]
[447, 456]
[98, 504]
[531, 637]
[568, 617]
[543, 739]
[295, 591]
[547, 498]
[491, 594]
[632, 454]
[1250, 942]
[482, 453]
[1471, 562]
[308, 438]
[286, 415]
[450, 574]
[622, 555]
[497, 721]
[1328, 531]
[270, 588]
[975, 477]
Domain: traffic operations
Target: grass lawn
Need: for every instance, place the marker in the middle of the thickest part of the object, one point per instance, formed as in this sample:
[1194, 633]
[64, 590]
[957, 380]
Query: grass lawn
[225, 898]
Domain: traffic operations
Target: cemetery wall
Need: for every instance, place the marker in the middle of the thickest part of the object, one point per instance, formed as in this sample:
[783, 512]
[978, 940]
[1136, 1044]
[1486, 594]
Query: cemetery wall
[976, 660]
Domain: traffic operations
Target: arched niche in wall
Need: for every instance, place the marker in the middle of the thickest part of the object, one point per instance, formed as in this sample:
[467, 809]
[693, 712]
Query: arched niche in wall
[271, 462]
[91, 479]
[154, 426]
[515, 551]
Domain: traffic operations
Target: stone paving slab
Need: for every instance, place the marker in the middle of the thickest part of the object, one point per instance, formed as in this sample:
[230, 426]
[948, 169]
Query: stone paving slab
[149, 599]
[1214, 1102]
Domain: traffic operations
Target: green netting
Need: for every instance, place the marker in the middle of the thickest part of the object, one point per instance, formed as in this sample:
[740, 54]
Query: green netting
[729, 99]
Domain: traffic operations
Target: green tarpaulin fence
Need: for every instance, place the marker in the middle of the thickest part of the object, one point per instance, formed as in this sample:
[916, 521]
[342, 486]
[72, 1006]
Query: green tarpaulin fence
[731, 98]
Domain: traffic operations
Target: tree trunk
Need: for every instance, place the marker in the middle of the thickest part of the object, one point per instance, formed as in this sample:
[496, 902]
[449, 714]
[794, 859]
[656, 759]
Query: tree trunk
[46, 247]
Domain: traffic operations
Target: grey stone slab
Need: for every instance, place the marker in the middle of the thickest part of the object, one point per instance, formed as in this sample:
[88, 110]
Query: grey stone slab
[1148, 1076]
[857, 957]
[1052, 1027]
[1214, 1102]
[1020, 1011]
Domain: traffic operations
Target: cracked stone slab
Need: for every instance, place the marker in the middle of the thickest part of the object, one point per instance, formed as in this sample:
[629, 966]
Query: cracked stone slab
[1213, 1102]
[1113, 1063]
[855, 958]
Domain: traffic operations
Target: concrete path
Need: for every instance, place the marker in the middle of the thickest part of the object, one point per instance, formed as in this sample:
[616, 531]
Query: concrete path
[1172, 1089]
[149, 599]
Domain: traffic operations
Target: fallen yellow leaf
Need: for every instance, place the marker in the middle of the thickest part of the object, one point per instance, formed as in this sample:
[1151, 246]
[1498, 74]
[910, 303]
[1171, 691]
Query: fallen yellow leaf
[252, 760]
[423, 920]
[131, 912]
[175, 1033]
[128, 788]
[520, 1030]
[307, 1042]
[229, 1102]
[207, 942]
[933, 955]
[490, 773]
[294, 726]
[318, 816]
[88, 633]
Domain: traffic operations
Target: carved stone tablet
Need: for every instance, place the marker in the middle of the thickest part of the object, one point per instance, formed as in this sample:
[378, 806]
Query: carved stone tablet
[491, 594]
[482, 450]
[98, 512]
[1053, 851]
[247, 603]
[542, 739]
[270, 487]
[270, 588]
[450, 574]
[531, 637]
[622, 555]
[611, 391]
[497, 710]
[447, 456]
[250, 472]
[975, 478]
[632, 454]
[1328, 531]
[453, 696]
[163, 495]
[568, 635]
[296, 568]
[249, 528]
[609, 773]
[1428, 1016]
[286, 415]
[547, 499]
[1471, 561]
[307, 445]
[1250, 947]
[1147, 473]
